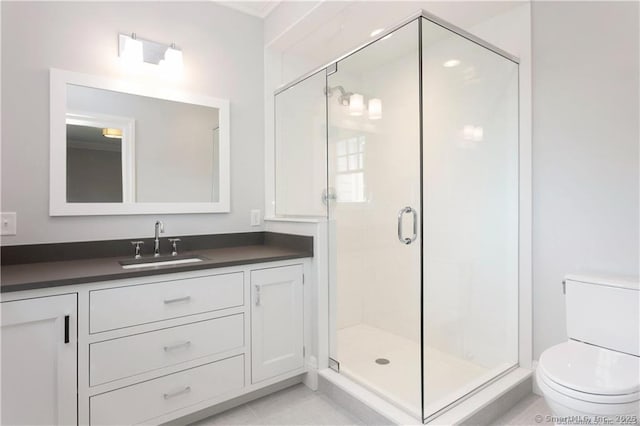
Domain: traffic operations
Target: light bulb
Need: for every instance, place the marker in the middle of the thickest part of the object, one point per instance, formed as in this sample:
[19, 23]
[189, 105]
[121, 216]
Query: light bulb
[356, 104]
[172, 62]
[467, 132]
[478, 134]
[375, 109]
[132, 52]
[109, 132]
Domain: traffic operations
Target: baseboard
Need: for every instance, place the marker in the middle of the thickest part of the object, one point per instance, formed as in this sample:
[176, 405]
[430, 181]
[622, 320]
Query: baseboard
[536, 388]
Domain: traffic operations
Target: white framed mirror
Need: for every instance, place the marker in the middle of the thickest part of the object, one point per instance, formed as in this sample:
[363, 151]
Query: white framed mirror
[119, 147]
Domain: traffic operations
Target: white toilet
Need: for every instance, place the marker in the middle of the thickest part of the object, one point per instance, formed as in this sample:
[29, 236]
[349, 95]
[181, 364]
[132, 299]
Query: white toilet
[596, 372]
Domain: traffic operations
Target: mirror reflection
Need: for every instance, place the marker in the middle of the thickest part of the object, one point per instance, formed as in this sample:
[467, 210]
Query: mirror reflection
[94, 165]
[122, 147]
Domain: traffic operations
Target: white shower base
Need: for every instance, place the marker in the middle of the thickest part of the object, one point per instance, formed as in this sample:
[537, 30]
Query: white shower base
[398, 382]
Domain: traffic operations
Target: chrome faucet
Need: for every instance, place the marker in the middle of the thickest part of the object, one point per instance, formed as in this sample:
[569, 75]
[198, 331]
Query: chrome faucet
[156, 245]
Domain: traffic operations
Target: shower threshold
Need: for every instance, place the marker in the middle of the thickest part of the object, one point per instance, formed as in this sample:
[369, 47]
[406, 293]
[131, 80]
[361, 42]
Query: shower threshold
[360, 399]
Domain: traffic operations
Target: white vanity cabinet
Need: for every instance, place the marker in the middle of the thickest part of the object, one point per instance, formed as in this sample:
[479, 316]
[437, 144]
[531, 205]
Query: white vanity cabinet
[150, 349]
[39, 361]
[276, 321]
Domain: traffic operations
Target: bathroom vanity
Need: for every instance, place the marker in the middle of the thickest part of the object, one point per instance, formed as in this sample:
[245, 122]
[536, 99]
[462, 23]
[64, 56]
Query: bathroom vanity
[100, 344]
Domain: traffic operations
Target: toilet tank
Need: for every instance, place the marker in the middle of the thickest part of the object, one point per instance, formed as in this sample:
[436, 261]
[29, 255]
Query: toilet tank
[604, 312]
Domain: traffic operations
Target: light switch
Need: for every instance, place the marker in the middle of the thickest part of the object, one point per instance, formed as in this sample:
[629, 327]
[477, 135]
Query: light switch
[8, 225]
[255, 218]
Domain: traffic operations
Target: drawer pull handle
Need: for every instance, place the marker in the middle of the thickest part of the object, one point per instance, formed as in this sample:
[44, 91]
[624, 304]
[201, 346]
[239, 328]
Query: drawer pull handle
[177, 299]
[66, 329]
[187, 389]
[177, 345]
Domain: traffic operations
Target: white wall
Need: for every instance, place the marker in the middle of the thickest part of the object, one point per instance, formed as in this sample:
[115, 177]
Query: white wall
[585, 150]
[223, 55]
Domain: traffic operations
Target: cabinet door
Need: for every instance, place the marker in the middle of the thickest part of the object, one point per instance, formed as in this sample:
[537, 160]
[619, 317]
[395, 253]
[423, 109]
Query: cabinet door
[39, 361]
[276, 321]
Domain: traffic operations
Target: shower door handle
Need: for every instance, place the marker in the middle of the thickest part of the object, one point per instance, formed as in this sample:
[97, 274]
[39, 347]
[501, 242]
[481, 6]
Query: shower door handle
[401, 237]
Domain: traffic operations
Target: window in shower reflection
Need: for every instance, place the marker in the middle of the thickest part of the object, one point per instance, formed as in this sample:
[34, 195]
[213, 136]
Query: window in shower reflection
[350, 176]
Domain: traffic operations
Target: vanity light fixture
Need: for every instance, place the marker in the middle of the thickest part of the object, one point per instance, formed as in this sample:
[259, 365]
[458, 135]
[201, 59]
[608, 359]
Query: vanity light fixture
[131, 50]
[375, 109]
[473, 133]
[134, 51]
[112, 133]
[172, 61]
[356, 104]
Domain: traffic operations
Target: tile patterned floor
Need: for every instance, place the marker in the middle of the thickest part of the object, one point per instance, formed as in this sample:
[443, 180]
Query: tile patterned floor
[298, 405]
[532, 410]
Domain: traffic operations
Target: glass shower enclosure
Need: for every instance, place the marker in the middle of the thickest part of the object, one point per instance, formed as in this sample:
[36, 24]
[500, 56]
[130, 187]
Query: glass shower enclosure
[409, 147]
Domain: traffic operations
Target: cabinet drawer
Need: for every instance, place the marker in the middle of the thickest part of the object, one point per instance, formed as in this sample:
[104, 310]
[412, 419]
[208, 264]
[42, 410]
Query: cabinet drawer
[127, 356]
[139, 304]
[154, 398]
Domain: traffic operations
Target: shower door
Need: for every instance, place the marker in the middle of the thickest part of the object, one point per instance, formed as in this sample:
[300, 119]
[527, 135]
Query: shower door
[374, 196]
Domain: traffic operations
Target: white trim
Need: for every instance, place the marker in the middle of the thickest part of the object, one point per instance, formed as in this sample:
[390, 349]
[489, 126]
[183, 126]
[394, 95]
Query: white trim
[265, 8]
[58, 205]
[525, 211]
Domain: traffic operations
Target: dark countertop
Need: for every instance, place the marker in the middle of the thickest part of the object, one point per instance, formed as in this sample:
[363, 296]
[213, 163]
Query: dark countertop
[34, 275]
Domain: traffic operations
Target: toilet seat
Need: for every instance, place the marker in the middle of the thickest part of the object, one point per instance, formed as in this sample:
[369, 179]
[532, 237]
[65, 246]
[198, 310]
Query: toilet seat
[583, 396]
[589, 373]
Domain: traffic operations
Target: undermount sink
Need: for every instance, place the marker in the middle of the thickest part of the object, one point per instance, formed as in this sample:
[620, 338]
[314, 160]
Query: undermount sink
[159, 261]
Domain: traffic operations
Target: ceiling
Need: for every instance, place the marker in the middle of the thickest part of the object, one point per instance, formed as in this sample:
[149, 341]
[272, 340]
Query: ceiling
[351, 26]
[261, 9]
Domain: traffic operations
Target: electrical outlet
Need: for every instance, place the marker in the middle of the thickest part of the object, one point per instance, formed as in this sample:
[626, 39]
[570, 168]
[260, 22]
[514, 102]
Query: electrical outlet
[256, 218]
[8, 224]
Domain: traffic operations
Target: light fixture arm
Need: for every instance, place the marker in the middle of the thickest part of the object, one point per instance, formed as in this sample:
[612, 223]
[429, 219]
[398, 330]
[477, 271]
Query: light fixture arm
[343, 99]
[372, 105]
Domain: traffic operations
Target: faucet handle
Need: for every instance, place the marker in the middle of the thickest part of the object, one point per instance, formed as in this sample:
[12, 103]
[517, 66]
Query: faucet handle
[137, 245]
[174, 246]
